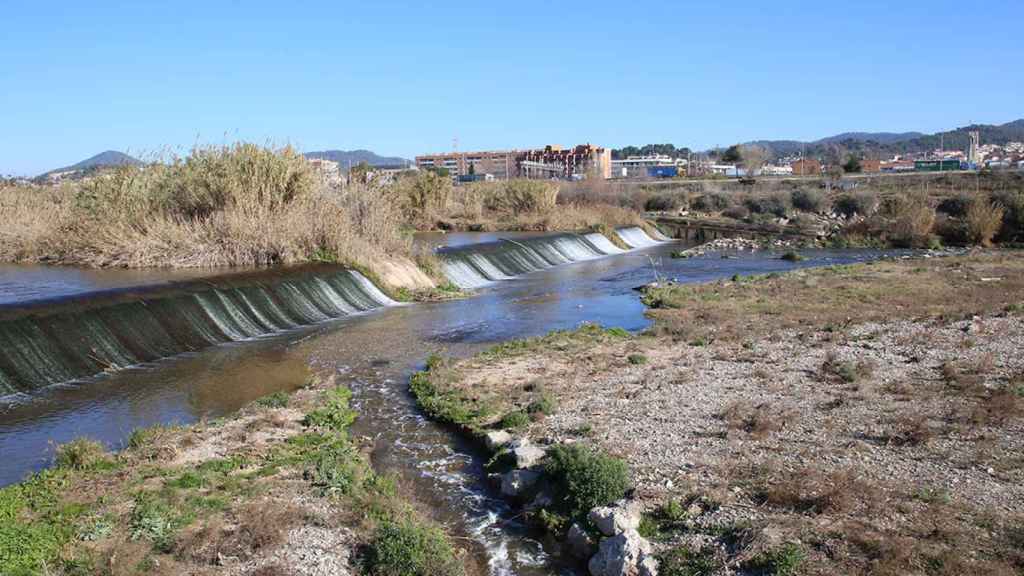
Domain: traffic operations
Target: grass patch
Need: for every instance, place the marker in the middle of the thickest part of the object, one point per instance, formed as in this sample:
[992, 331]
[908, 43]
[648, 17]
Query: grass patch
[275, 400]
[682, 561]
[784, 560]
[82, 454]
[637, 359]
[515, 420]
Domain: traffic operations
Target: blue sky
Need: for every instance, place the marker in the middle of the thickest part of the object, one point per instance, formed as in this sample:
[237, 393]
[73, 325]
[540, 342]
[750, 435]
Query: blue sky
[403, 78]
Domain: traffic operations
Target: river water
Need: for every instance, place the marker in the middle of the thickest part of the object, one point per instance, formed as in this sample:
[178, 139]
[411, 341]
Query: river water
[374, 353]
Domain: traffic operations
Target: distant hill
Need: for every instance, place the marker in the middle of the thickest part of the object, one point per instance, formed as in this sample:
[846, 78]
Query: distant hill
[346, 158]
[899, 142]
[101, 160]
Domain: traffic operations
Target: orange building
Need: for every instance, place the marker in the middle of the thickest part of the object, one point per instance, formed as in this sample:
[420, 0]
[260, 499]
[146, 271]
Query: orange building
[871, 166]
[806, 167]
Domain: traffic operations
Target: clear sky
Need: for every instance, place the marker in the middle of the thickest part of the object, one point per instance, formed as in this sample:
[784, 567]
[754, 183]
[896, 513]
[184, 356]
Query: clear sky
[403, 78]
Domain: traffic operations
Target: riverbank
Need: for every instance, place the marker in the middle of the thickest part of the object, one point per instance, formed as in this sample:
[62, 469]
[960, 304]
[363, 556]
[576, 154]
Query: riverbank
[854, 419]
[278, 489]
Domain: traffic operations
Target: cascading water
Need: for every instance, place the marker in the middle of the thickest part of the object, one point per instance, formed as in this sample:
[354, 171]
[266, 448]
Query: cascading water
[40, 349]
[480, 264]
[635, 237]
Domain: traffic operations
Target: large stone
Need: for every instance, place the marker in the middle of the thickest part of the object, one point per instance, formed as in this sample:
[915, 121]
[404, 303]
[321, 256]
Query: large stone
[625, 554]
[542, 500]
[513, 483]
[497, 439]
[615, 519]
[579, 543]
[527, 454]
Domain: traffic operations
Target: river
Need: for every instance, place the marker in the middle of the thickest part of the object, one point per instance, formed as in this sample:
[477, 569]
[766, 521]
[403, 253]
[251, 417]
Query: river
[374, 353]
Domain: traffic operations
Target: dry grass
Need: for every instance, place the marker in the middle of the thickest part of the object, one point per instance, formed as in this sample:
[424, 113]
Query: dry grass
[757, 420]
[234, 206]
[984, 219]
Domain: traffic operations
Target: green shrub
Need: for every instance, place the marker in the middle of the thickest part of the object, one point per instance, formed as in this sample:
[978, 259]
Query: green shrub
[275, 400]
[792, 256]
[736, 212]
[848, 205]
[776, 204]
[408, 549]
[637, 359]
[545, 405]
[515, 420]
[584, 478]
[685, 562]
[955, 206]
[713, 202]
[782, 561]
[662, 203]
[81, 454]
[335, 413]
[807, 200]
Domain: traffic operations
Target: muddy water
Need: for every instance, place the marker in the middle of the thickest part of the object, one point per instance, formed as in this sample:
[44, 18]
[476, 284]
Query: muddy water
[374, 354]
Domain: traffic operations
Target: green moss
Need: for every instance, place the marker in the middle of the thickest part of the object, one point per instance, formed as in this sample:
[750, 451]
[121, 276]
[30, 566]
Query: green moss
[408, 549]
[584, 478]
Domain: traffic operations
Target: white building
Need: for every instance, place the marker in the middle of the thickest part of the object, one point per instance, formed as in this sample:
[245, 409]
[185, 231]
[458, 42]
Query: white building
[638, 165]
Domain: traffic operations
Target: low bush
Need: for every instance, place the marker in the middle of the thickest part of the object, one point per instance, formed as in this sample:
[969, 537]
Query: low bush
[984, 219]
[403, 548]
[712, 202]
[681, 561]
[776, 204]
[1012, 203]
[736, 212]
[637, 359]
[81, 454]
[275, 400]
[859, 203]
[784, 560]
[808, 200]
[955, 206]
[546, 405]
[584, 478]
[515, 420]
[662, 203]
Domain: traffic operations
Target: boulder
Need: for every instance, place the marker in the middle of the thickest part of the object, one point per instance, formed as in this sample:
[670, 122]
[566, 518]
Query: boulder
[626, 554]
[619, 517]
[515, 482]
[542, 500]
[527, 454]
[496, 439]
[579, 543]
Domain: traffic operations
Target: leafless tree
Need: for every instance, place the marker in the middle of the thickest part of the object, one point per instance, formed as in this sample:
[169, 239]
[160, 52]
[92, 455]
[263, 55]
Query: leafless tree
[753, 158]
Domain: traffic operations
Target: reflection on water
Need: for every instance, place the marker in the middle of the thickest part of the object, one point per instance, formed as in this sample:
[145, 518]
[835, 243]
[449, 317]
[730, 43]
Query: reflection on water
[374, 354]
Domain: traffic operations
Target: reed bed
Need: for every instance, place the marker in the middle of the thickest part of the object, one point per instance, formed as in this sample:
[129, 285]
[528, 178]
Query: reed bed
[242, 205]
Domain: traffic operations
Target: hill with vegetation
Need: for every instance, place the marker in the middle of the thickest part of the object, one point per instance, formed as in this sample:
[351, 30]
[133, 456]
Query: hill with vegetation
[346, 158]
[101, 160]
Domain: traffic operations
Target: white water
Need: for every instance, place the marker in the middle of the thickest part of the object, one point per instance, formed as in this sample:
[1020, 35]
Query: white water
[635, 237]
[602, 243]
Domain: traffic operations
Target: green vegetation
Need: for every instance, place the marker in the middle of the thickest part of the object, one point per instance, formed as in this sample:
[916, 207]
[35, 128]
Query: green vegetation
[663, 522]
[546, 405]
[782, 561]
[515, 420]
[584, 478]
[792, 256]
[275, 400]
[682, 561]
[82, 454]
[405, 548]
[636, 359]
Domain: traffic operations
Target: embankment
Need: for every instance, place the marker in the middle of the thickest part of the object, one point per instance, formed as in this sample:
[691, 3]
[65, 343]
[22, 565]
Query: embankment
[884, 402]
[279, 488]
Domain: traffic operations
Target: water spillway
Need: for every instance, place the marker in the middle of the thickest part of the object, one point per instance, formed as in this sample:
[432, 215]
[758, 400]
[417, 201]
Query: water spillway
[79, 338]
[477, 265]
[636, 237]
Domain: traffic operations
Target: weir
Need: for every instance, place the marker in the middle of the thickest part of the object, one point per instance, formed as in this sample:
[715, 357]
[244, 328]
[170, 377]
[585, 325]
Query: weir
[83, 337]
[478, 265]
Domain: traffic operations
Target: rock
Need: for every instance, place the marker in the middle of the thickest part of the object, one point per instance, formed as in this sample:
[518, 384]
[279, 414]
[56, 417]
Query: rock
[527, 455]
[611, 520]
[626, 554]
[542, 500]
[515, 482]
[497, 439]
[579, 543]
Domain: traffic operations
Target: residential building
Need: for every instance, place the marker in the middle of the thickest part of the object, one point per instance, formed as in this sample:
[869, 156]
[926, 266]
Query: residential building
[870, 166]
[806, 167]
[639, 166]
[547, 162]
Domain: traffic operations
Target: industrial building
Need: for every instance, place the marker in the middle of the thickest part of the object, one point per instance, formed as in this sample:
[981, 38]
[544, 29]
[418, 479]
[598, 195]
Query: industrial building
[653, 166]
[542, 163]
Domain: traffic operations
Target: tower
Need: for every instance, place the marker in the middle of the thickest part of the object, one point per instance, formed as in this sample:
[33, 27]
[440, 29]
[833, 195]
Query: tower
[972, 151]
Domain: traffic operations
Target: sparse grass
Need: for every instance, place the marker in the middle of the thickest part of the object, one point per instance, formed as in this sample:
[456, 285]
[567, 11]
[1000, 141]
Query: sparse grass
[846, 370]
[637, 359]
[782, 561]
[757, 420]
[515, 420]
[681, 561]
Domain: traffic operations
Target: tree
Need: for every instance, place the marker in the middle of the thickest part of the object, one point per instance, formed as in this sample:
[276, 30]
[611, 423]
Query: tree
[472, 169]
[753, 158]
[732, 154]
[852, 164]
[360, 172]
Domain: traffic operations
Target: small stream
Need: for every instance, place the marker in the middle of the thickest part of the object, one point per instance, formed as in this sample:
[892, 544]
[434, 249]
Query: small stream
[374, 353]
